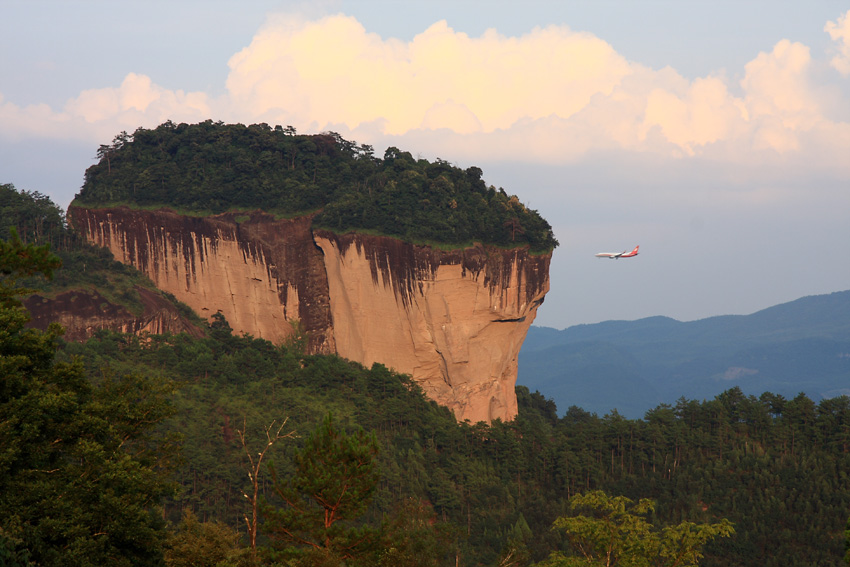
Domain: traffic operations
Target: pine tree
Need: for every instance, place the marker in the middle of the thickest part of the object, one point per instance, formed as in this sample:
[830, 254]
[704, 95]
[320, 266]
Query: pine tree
[335, 477]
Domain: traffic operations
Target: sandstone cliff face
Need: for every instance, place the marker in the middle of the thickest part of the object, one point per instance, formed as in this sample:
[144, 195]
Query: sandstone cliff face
[260, 273]
[454, 320]
[84, 312]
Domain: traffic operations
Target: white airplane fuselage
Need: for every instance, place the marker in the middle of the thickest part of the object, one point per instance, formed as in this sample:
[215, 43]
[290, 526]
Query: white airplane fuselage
[618, 255]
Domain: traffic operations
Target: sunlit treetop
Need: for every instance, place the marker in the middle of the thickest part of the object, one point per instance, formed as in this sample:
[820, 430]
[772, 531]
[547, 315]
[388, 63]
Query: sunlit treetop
[211, 168]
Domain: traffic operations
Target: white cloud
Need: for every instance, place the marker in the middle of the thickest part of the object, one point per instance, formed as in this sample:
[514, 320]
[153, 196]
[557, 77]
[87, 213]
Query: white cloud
[701, 112]
[451, 116]
[777, 85]
[139, 99]
[99, 114]
[334, 71]
[552, 95]
[839, 31]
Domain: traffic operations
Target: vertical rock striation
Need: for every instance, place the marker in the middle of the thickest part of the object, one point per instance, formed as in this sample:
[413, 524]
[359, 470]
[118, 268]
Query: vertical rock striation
[261, 273]
[454, 320]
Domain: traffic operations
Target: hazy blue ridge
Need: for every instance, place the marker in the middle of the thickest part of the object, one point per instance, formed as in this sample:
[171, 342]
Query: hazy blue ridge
[800, 346]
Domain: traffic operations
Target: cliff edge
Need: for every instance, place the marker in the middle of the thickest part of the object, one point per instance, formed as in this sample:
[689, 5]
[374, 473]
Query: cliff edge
[454, 320]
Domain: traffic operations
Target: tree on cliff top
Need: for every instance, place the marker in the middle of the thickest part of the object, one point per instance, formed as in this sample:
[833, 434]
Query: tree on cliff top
[211, 168]
[38, 220]
[34, 216]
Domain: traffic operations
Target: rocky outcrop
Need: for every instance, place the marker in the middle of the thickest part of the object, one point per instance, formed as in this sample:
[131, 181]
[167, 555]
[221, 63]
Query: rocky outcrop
[84, 312]
[261, 273]
[454, 320]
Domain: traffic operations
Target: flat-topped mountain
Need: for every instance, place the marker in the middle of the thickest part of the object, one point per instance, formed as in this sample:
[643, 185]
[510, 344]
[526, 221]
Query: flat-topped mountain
[416, 265]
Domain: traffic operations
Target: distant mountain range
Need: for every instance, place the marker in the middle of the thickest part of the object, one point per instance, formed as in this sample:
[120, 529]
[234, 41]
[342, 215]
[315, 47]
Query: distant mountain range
[633, 366]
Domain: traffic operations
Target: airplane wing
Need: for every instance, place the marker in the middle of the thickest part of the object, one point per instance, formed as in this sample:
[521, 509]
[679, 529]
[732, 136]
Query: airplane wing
[632, 253]
[618, 255]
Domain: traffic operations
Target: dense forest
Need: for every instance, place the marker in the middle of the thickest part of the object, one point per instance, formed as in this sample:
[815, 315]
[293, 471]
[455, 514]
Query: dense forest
[777, 468]
[212, 167]
[222, 450]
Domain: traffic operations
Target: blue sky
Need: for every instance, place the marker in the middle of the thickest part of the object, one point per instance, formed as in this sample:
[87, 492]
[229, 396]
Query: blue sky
[713, 134]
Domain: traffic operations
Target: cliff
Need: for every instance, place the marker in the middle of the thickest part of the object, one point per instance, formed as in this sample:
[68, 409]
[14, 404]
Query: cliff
[454, 320]
[84, 312]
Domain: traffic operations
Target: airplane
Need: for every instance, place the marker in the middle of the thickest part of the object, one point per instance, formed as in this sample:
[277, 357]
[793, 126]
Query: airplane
[617, 256]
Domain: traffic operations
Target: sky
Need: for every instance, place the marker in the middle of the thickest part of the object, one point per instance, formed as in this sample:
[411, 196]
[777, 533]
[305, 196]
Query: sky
[714, 134]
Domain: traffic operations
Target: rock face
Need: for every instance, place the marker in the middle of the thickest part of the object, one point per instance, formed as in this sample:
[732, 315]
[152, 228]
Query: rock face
[454, 320]
[84, 312]
[262, 274]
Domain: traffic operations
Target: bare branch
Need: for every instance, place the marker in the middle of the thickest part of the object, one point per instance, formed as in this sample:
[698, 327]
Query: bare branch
[254, 473]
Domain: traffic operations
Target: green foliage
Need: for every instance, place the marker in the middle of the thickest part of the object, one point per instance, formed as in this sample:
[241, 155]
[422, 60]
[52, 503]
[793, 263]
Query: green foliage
[333, 482]
[609, 531]
[212, 167]
[33, 215]
[18, 261]
[775, 467]
[37, 220]
[847, 543]
[12, 553]
[414, 537]
[516, 552]
[81, 467]
[205, 544]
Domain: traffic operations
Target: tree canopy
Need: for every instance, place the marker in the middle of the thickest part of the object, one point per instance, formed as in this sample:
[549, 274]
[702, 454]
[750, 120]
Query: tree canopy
[333, 483]
[36, 219]
[775, 467]
[81, 466]
[211, 167]
[609, 531]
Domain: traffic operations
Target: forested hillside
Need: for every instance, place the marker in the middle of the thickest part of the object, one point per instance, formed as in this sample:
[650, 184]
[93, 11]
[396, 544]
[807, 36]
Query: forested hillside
[131, 450]
[777, 468]
[37, 219]
[212, 167]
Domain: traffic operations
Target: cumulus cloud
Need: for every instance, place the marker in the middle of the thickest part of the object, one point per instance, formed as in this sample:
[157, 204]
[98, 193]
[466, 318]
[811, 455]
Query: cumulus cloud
[694, 114]
[554, 93]
[839, 31]
[551, 95]
[98, 114]
[778, 98]
[333, 70]
[451, 116]
[137, 96]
